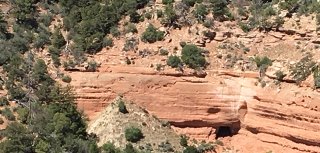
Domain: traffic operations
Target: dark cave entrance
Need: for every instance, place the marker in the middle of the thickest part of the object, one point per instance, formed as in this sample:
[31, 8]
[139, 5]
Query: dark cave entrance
[223, 131]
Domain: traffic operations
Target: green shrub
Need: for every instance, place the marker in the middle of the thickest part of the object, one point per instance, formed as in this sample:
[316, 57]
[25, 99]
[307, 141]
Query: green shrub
[200, 12]
[316, 77]
[191, 149]
[41, 39]
[208, 23]
[135, 17]
[152, 35]
[170, 16]
[66, 78]
[220, 9]
[245, 27]
[183, 141]
[163, 52]
[148, 15]
[165, 123]
[159, 67]
[56, 60]
[269, 11]
[23, 114]
[3, 27]
[142, 18]
[110, 148]
[21, 44]
[46, 19]
[262, 61]
[55, 55]
[159, 13]
[115, 31]
[131, 28]
[1, 121]
[107, 42]
[242, 11]
[69, 65]
[122, 107]
[189, 2]
[205, 147]
[129, 149]
[130, 44]
[165, 147]
[165, 2]
[57, 39]
[280, 75]
[148, 148]
[16, 92]
[7, 113]
[4, 101]
[192, 56]
[92, 66]
[288, 5]
[133, 134]
[174, 61]
[278, 22]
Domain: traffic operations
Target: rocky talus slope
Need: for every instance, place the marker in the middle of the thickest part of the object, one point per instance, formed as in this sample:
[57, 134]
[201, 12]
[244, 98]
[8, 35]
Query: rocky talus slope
[111, 124]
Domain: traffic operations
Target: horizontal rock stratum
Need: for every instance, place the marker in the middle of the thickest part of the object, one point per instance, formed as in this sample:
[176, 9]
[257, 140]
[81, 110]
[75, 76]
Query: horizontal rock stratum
[261, 119]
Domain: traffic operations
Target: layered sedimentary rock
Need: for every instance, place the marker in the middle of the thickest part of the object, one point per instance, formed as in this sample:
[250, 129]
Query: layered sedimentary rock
[261, 119]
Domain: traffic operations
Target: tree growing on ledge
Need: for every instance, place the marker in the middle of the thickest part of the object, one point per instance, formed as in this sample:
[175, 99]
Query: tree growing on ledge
[192, 56]
[174, 61]
[152, 35]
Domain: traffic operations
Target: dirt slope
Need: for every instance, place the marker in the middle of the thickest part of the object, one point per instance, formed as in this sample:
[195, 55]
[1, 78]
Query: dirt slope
[111, 124]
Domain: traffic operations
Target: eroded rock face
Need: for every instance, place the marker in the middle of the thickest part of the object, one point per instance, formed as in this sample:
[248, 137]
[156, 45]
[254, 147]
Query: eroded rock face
[262, 119]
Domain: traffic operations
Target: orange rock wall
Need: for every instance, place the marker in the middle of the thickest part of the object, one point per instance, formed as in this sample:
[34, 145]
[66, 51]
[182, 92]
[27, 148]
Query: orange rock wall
[265, 119]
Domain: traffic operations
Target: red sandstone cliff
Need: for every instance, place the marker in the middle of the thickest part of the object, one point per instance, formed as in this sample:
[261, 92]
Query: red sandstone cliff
[283, 118]
[263, 119]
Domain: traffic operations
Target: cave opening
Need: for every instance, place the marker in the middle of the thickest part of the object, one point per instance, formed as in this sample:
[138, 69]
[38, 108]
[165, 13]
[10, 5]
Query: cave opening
[223, 131]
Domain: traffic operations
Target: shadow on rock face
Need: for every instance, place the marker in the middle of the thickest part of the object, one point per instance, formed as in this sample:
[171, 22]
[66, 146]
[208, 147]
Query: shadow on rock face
[228, 130]
[223, 131]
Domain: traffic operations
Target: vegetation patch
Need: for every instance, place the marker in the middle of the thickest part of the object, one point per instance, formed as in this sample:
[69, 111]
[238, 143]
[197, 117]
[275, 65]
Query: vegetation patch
[192, 56]
[174, 61]
[7, 113]
[66, 79]
[262, 63]
[302, 69]
[133, 134]
[152, 35]
[122, 107]
[4, 101]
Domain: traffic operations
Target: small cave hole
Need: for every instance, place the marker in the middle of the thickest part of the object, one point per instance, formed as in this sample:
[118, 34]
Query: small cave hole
[223, 131]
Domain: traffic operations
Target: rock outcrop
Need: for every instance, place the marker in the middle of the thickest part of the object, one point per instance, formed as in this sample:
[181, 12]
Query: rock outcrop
[260, 119]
